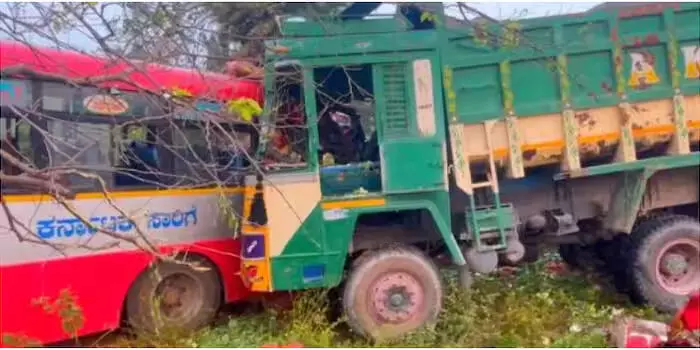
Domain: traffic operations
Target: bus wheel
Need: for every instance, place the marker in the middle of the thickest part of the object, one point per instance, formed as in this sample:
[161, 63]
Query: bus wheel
[664, 264]
[391, 292]
[178, 295]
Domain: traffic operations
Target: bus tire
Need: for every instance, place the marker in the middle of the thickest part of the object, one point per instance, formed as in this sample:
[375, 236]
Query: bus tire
[664, 264]
[391, 292]
[179, 295]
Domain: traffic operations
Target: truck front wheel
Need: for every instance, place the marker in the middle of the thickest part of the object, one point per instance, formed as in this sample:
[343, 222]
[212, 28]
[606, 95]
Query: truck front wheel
[664, 266]
[391, 292]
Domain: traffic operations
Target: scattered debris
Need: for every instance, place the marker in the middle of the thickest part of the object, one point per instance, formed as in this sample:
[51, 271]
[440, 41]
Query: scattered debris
[507, 271]
[575, 328]
[637, 333]
[556, 268]
[683, 331]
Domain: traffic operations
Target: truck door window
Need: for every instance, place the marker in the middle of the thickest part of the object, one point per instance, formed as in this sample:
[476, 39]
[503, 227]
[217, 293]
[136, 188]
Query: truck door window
[346, 113]
[348, 140]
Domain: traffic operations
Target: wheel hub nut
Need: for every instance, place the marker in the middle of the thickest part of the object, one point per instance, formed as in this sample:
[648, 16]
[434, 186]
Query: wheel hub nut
[396, 300]
[396, 297]
[674, 264]
[170, 297]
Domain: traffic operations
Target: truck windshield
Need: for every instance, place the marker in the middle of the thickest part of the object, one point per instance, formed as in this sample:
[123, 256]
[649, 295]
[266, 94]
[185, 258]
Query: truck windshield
[288, 140]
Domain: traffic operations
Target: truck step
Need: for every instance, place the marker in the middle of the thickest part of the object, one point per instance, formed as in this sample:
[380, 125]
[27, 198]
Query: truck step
[482, 184]
[491, 247]
[489, 222]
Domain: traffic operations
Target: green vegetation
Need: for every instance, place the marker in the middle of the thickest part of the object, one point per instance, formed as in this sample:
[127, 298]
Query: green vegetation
[541, 305]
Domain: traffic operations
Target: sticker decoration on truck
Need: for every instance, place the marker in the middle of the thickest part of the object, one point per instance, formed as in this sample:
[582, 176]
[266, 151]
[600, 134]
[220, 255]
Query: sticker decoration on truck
[643, 73]
[54, 228]
[254, 246]
[335, 214]
[313, 273]
[691, 55]
[423, 84]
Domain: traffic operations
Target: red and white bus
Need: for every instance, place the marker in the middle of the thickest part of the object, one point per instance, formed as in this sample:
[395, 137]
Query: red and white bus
[107, 278]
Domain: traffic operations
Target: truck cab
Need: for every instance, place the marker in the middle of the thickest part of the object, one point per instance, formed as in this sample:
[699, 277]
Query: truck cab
[368, 165]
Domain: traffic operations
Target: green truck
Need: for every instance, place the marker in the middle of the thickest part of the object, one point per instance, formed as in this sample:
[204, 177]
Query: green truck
[418, 134]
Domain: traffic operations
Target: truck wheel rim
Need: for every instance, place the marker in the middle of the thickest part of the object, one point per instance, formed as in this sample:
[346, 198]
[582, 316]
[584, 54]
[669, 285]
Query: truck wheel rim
[396, 298]
[678, 266]
[179, 296]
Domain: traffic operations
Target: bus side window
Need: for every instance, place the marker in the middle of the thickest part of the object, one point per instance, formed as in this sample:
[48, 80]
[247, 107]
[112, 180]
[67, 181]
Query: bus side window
[138, 161]
[190, 149]
[206, 153]
[83, 147]
[8, 145]
[233, 151]
[15, 140]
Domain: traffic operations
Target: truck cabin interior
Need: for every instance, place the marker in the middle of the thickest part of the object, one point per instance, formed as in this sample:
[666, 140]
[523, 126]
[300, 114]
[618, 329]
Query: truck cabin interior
[348, 140]
[347, 150]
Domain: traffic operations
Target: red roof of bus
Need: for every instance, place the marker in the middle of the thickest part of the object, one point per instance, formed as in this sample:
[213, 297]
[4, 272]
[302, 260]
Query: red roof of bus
[152, 77]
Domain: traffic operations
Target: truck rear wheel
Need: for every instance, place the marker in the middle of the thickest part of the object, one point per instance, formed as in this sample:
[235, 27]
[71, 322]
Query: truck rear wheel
[664, 265]
[572, 255]
[613, 254]
[391, 292]
[183, 295]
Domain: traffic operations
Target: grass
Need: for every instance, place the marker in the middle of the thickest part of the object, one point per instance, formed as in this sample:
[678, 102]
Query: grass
[534, 306]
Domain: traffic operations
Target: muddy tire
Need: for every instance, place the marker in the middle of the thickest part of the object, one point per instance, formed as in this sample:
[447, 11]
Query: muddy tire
[664, 264]
[572, 254]
[174, 295]
[391, 292]
[613, 256]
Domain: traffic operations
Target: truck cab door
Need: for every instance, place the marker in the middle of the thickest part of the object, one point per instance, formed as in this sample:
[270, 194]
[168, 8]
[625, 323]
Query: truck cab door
[412, 142]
